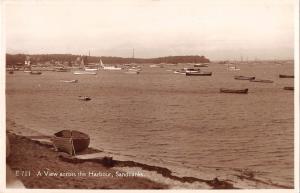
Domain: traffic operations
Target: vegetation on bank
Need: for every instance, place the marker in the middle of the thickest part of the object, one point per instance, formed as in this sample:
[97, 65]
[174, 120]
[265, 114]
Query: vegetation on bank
[69, 59]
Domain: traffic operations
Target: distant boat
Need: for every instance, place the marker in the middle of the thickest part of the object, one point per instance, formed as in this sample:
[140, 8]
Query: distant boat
[191, 70]
[84, 98]
[187, 70]
[109, 67]
[238, 91]
[132, 72]
[285, 76]
[200, 65]
[35, 72]
[261, 81]
[70, 141]
[198, 73]
[91, 69]
[244, 77]
[61, 69]
[288, 88]
[69, 81]
[232, 68]
[154, 66]
[179, 71]
[81, 72]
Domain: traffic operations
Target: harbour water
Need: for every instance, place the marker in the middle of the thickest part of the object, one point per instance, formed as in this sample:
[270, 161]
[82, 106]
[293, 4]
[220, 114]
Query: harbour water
[170, 120]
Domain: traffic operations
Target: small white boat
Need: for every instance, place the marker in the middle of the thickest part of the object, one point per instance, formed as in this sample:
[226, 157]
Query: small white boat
[132, 72]
[69, 81]
[84, 98]
[81, 72]
[108, 67]
[61, 69]
[111, 68]
[179, 72]
[154, 66]
[233, 68]
[200, 65]
[91, 69]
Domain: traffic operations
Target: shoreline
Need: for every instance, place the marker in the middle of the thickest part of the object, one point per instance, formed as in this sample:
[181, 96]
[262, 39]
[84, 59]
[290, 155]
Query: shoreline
[37, 165]
[152, 177]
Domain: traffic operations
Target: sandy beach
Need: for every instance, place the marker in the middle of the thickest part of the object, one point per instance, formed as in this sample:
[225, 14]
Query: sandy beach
[38, 166]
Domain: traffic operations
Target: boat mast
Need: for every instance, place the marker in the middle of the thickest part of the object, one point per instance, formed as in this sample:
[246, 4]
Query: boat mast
[133, 55]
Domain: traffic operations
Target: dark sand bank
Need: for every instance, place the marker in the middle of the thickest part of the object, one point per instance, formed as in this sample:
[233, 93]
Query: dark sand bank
[27, 155]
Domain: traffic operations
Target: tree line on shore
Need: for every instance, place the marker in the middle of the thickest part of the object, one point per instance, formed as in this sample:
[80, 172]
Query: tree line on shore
[69, 59]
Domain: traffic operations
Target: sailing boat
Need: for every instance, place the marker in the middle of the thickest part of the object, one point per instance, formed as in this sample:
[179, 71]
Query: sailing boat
[109, 67]
[84, 72]
[232, 68]
[27, 66]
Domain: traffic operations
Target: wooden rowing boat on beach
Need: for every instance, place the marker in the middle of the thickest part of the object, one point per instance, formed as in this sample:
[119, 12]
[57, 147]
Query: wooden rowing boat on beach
[70, 141]
[198, 73]
[288, 88]
[285, 76]
[244, 77]
[261, 81]
[237, 91]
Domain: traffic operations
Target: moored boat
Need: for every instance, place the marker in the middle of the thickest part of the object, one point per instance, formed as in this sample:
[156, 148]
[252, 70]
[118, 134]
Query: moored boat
[81, 72]
[288, 88]
[69, 81]
[238, 91]
[198, 73]
[61, 69]
[35, 72]
[84, 98]
[261, 81]
[179, 71]
[70, 141]
[285, 76]
[200, 65]
[244, 77]
[132, 72]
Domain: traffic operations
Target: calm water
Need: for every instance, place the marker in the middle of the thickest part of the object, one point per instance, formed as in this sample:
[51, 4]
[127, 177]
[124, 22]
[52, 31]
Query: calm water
[167, 119]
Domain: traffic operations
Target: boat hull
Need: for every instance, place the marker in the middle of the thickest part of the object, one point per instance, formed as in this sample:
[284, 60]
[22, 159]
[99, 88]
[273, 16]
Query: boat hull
[35, 73]
[244, 77]
[71, 141]
[237, 91]
[261, 81]
[285, 76]
[198, 73]
[84, 72]
[288, 88]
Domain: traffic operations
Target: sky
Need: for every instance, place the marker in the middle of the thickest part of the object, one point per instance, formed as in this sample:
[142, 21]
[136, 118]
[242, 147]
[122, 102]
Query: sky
[217, 29]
